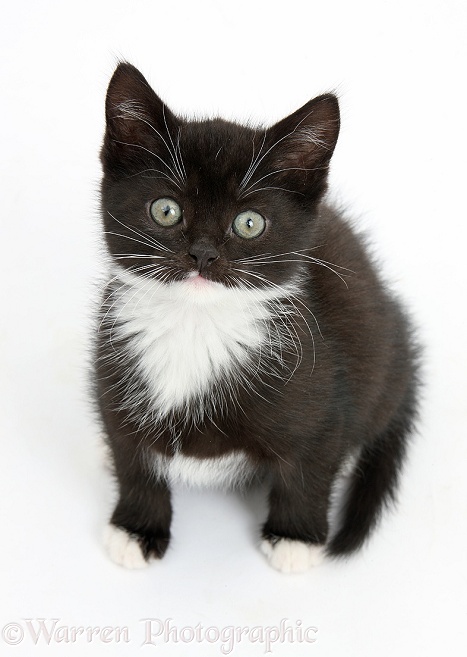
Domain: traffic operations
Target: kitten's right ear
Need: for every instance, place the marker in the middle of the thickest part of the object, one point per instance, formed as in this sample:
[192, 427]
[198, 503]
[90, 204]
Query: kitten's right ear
[137, 121]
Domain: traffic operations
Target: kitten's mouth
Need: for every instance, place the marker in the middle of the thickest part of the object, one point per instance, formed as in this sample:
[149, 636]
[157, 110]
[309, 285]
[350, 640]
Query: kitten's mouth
[197, 280]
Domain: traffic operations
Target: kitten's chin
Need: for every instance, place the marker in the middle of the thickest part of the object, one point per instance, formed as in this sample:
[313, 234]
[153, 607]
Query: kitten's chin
[195, 281]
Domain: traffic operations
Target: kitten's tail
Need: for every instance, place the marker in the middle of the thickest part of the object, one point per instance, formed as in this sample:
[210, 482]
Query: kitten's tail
[373, 483]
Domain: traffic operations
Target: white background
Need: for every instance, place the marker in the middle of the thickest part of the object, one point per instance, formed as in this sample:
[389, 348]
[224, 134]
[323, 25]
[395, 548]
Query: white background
[399, 68]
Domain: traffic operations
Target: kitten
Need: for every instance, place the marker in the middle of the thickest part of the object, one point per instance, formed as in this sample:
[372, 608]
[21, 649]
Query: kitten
[244, 331]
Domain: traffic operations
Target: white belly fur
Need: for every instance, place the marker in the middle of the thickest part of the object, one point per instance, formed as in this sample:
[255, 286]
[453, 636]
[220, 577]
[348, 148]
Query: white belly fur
[227, 471]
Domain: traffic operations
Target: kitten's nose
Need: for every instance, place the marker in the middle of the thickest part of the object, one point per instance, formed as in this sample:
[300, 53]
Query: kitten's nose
[204, 253]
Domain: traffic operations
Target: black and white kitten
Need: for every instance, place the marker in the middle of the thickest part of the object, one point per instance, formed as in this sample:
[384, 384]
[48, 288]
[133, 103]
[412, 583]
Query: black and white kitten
[243, 331]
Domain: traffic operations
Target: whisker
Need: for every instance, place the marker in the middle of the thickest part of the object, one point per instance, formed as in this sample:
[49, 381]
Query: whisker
[322, 261]
[267, 258]
[146, 241]
[326, 266]
[138, 116]
[180, 152]
[286, 321]
[124, 143]
[251, 168]
[133, 239]
[258, 160]
[276, 255]
[116, 291]
[290, 297]
[125, 256]
[173, 154]
[262, 189]
[259, 263]
[163, 174]
[273, 173]
[151, 240]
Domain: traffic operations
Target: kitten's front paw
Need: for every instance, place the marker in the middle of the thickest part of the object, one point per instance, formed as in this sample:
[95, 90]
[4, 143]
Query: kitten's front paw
[123, 549]
[291, 556]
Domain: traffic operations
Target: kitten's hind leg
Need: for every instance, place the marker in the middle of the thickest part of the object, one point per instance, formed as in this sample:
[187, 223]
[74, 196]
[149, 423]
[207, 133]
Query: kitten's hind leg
[139, 529]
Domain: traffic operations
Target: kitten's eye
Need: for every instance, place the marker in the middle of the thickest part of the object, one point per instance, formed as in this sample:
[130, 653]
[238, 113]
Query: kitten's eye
[249, 224]
[165, 212]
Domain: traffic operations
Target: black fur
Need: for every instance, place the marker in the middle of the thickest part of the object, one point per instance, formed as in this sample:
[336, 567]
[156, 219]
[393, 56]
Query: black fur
[356, 387]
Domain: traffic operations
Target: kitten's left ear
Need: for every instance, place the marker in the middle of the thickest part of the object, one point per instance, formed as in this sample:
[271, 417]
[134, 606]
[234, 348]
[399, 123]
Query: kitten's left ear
[302, 144]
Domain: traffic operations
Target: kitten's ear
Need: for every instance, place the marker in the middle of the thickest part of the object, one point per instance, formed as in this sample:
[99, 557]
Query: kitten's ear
[137, 121]
[302, 144]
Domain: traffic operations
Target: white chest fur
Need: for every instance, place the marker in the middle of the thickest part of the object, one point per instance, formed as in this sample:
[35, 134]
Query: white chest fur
[186, 337]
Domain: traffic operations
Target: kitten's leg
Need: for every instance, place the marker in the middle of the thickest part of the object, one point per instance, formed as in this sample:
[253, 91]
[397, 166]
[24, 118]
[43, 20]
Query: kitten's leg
[140, 525]
[297, 526]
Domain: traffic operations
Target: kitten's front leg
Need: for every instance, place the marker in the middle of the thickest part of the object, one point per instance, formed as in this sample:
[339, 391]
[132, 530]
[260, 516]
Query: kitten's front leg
[295, 532]
[139, 529]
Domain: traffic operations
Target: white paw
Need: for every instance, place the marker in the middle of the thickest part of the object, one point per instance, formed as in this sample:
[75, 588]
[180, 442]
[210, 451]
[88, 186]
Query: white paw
[290, 556]
[123, 549]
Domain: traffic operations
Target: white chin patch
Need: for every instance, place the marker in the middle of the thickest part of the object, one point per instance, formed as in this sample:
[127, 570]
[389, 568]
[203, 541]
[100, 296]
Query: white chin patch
[290, 556]
[123, 549]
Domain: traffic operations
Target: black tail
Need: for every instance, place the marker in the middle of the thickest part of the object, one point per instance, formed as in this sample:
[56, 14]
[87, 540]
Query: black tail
[373, 485]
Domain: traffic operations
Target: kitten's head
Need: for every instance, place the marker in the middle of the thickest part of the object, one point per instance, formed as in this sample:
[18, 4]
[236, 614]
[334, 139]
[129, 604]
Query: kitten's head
[211, 200]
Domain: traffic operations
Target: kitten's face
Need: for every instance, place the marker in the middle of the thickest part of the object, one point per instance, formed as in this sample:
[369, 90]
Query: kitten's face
[211, 201]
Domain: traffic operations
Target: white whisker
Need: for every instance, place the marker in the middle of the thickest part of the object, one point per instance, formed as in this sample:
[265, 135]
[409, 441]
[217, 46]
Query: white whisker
[148, 240]
[158, 157]
[130, 111]
[173, 153]
[262, 189]
[125, 256]
[252, 166]
[273, 173]
[291, 298]
[267, 258]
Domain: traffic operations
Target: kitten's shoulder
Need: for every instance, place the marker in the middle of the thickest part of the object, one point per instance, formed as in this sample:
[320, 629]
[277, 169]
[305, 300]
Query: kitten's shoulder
[344, 246]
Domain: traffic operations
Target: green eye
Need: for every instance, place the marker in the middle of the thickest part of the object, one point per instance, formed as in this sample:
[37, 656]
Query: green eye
[249, 224]
[165, 212]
